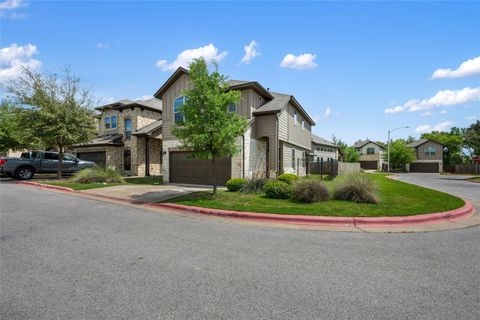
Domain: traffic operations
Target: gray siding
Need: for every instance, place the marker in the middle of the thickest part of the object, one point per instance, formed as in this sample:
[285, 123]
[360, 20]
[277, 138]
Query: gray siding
[249, 101]
[168, 97]
[295, 133]
[421, 151]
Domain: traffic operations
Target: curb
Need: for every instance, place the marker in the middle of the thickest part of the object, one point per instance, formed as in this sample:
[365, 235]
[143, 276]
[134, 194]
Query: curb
[430, 218]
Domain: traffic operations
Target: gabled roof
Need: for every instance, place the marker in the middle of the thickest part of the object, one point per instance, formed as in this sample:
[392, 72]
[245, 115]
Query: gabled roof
[419, 142]
[149, 128]
[153, 104]
[107, 139]
[324, 142]
[279, 103]
[360, 144]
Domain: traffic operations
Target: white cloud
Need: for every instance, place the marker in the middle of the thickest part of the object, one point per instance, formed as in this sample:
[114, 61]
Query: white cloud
[328, 113]
[103, 45]
[442, 98]
[467, 68]
[10, 5]
[14, 57]
[208, 52]
[250, 52]
[442, 126]
[427, 114]
[301, 62]
[443, 112]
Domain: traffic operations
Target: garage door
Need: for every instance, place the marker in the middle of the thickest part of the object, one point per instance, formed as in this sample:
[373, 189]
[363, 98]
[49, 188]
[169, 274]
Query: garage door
[97, 157]
[431, 167]
[197, 171]
[368, 165]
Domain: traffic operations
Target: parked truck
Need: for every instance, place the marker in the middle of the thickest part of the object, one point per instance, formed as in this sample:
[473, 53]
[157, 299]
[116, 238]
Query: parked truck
[29, 163]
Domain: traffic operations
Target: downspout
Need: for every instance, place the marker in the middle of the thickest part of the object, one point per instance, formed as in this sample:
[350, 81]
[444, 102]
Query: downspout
[147, 156]
[243, 155]
[277, 143]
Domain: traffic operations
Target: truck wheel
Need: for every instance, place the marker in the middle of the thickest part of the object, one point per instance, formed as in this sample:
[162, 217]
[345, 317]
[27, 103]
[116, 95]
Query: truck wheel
[24, 173]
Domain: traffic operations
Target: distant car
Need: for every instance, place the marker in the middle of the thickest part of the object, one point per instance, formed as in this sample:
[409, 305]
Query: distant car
[29, 163]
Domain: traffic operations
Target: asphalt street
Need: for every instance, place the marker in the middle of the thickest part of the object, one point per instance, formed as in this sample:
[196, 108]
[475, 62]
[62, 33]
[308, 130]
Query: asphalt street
[65, 257]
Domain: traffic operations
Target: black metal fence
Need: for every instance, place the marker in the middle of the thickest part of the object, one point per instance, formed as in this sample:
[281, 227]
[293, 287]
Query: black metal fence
[321, 167]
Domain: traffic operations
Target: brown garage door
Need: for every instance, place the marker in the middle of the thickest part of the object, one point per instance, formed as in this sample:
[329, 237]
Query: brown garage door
[431, 167]
[368, 165]
[97, 157]
[183, 169]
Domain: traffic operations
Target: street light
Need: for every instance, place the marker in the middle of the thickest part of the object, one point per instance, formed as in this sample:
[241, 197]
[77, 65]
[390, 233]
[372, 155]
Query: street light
[388, 151]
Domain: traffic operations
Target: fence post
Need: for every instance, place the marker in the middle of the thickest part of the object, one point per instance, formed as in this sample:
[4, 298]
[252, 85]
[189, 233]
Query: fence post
[321, 168]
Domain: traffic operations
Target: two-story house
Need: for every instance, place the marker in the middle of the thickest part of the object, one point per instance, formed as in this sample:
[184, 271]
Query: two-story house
[129, 138]
[428, 156]
[278, 138]
[371, 154]
[323, 150]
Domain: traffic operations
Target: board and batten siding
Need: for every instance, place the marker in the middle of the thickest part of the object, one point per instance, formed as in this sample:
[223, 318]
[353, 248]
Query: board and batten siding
[291, 133]
[175, 91]
[290, 166]
[249, 101]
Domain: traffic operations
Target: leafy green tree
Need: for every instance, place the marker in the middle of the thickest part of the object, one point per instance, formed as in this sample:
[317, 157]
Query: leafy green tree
[452, 141]
[400, 154]
[351, 155]
[472, 138]
[60, 112]
[209, 130]
[341, 145]
[14, 135]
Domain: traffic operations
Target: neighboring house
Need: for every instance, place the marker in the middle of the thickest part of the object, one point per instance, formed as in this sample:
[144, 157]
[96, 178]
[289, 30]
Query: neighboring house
[277, 140]
[371, 154]
[323, 150]
[125, 128]
[11, 154]
[428, 154]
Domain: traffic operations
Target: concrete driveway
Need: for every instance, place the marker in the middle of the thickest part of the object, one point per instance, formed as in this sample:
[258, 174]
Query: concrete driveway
[453, 184]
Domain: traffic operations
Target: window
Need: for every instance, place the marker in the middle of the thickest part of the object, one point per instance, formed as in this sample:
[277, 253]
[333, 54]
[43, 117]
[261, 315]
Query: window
[303, 124]
[107, 122]
[318, 148]
[232, 108]
[50, 156]
[430, 151]
[370, 150]
[295, 117]
[293, 159]
[127, 160]
[114, 122]
[128, 129]
[178, 116]
[69, 157]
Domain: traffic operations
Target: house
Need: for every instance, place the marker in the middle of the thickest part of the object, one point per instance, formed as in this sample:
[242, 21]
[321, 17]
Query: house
[323, 150]
[129, 138]
[277, 140]
[428, 156]
[371, 154]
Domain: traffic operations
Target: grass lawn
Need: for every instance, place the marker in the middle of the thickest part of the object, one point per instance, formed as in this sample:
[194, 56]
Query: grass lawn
[152, 180]
[397, 199]
[476, 179]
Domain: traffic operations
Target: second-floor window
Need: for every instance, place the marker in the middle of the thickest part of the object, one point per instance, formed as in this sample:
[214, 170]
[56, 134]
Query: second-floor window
[430, 151]
[303, 124]
[295, 117]
[128, 129]
[293, 159]
[232, 108]
[178, 116]
[370, 150]
[107, 122]
[113, 122]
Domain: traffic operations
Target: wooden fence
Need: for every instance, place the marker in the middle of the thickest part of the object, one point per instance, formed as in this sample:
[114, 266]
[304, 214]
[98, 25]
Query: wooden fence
[462, 168]
[348, 167]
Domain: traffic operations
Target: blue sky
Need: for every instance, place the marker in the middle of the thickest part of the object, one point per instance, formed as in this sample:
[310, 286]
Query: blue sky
[354, 66]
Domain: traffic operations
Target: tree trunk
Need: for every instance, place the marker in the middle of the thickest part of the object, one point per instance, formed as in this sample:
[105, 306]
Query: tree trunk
[60, 161]
[214, 176]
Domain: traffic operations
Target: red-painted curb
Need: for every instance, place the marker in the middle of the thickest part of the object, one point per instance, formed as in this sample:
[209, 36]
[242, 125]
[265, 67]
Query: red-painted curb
[431, 218]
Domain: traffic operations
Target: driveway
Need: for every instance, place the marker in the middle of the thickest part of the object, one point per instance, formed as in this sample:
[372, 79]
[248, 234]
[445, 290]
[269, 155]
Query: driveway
[67, 257]
[453, 184]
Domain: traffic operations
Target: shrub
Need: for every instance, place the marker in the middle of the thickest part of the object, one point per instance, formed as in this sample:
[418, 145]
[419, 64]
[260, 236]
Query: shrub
[287, 177]
[97, 175]
[253, 185]
[357, 188]
[235, 184]
[310, 191]
[277, 189]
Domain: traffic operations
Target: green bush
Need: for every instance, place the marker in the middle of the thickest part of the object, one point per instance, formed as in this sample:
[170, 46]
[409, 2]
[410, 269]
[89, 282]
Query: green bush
[310, 191]
[235, 184]
[287, 177]
[253, 185]
[277, 189]
[97, 175]
[357, 188]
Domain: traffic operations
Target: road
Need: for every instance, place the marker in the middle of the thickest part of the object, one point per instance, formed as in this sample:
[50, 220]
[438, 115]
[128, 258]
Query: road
[65, 257]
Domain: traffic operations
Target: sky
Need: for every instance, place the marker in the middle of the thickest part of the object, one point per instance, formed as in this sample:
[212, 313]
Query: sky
[358, 68]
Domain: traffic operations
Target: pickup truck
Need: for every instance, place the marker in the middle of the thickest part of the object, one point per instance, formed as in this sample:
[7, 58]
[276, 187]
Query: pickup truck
[29, 163]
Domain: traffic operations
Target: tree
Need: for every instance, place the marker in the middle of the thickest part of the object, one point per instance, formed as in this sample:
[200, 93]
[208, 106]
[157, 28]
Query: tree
[14, 134]
[351, 155]
[472, 138]
[341, 145]
[209, 130]
[58, 111]
[453, 144]
[400, 154]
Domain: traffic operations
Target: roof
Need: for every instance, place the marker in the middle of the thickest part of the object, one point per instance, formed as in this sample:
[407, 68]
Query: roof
[419, 142]
[280, 100]
[153, 104]
[319, 140]
[149, 128]
[107, 139]
[360, 144]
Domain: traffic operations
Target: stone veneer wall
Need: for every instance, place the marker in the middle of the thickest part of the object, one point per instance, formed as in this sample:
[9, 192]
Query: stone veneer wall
[113, 156]
[168, 146]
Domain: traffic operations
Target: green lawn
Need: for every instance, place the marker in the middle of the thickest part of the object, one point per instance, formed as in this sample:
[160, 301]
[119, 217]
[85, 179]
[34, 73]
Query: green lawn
[476, 179]
[153, 180]
[397, 199]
